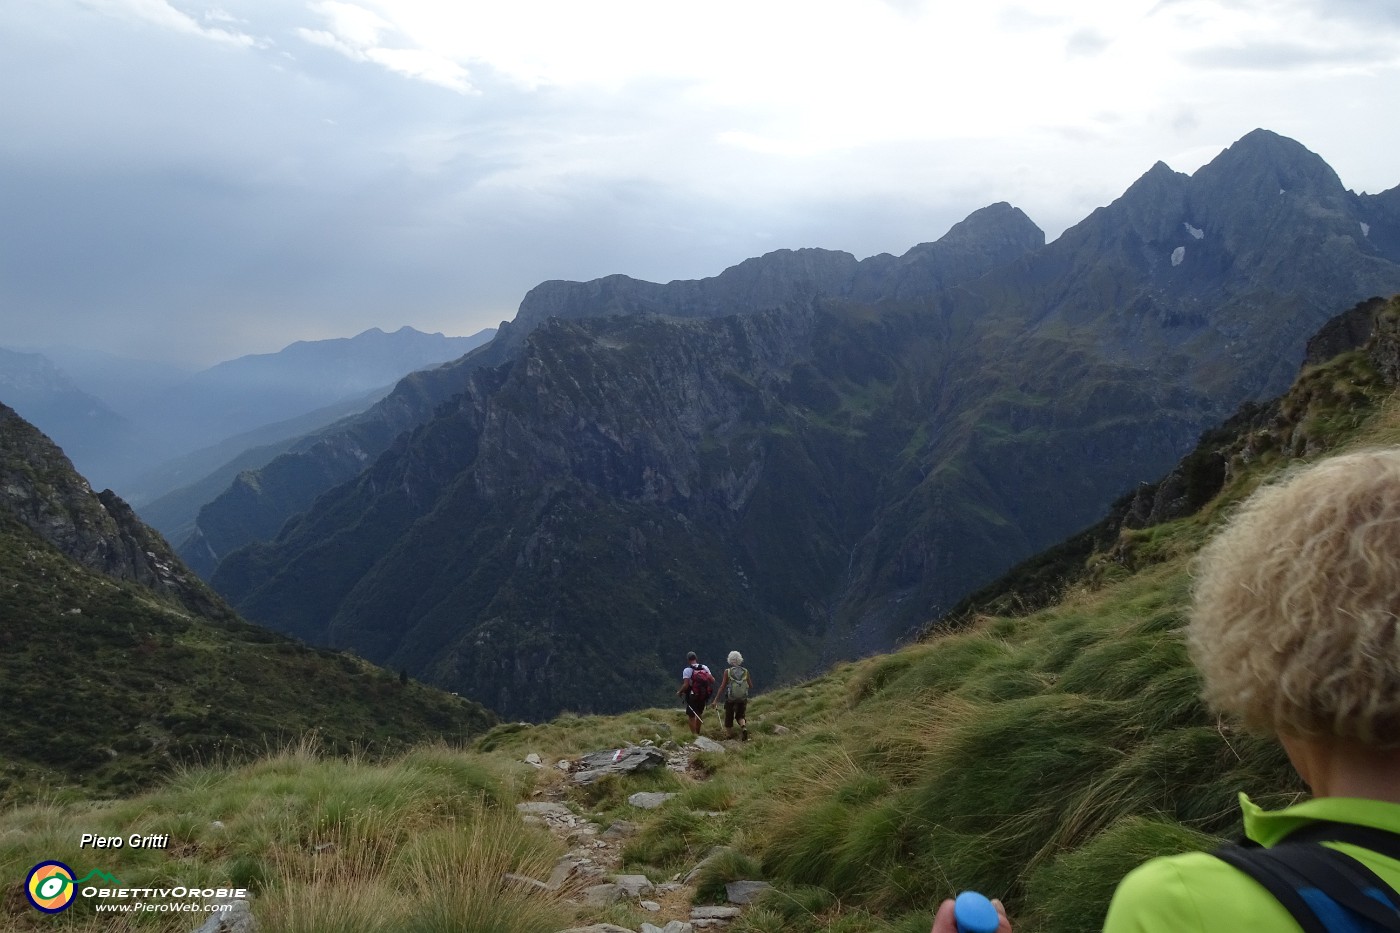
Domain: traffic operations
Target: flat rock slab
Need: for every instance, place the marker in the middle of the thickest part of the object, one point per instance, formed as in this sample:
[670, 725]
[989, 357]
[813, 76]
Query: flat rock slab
[564, 869]
[649, 800]
[618, 761]
[633, 885]
[547, 811]
[714, 913]
[708, 745]
[602, 895]
[620, 829]
[743, 892]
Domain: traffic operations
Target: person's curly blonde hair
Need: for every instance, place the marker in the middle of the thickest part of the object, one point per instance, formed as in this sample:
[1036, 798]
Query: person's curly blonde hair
[1294, 619]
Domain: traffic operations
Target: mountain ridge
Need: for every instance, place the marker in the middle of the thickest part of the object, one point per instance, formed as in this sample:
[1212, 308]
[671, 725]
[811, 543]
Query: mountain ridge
[892, 454]
[255, 508]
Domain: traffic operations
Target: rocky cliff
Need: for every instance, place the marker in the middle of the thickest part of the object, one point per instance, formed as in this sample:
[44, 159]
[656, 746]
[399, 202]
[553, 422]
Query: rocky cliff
[40, 488]
[257, 504]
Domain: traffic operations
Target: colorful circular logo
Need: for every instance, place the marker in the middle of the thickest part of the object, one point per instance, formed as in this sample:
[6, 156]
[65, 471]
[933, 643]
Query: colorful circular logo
[50, 887]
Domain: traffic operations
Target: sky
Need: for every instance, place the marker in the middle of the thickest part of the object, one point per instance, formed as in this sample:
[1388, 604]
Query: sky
[190, 181]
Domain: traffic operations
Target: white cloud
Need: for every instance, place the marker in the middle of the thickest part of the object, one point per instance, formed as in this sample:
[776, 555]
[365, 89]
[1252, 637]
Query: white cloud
[358, 33]
[331, 172]
[161, 13]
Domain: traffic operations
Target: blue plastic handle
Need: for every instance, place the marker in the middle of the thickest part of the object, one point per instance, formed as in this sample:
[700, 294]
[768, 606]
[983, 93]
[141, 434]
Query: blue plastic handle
[973, 913]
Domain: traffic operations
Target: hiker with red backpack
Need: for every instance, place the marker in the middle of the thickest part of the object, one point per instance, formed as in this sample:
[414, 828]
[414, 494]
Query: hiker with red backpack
[697, 686]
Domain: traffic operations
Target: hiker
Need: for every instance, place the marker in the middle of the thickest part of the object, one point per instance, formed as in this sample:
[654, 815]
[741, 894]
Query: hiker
[735, 685]
[697, 685]
[1295, 629]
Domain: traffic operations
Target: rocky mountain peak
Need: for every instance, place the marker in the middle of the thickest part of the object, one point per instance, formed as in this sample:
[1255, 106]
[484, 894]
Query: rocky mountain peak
[999, 220]
[1265, 164]
[987, 237]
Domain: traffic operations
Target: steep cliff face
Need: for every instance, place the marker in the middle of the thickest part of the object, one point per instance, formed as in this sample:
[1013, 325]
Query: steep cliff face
[1351, 370]
[255, 507]
[550, 522]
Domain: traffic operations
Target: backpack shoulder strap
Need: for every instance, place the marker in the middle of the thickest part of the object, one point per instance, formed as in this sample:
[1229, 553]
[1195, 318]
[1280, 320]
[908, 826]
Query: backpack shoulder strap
[1325, 890]
[1281, 882]
[1379, 841]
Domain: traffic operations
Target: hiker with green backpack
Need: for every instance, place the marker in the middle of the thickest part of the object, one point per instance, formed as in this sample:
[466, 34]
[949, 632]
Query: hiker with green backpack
[735, 685]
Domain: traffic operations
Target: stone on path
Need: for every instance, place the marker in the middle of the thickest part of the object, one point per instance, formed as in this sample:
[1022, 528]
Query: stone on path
[633, 885]
[618, 761]
[743, 892]
[564, 869]
[714, 913]
[649, 800]
[650, 906]
[549, 812]
[620, 829]
[602, 895]
[708, 745]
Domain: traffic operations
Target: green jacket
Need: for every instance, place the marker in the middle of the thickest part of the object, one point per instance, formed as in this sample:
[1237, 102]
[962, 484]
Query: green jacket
[1198, 893]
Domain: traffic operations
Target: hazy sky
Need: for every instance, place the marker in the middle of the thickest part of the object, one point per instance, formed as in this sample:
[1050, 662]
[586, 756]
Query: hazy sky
[198, 179]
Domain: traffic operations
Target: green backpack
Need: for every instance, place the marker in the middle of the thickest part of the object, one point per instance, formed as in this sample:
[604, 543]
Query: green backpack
[738, 683]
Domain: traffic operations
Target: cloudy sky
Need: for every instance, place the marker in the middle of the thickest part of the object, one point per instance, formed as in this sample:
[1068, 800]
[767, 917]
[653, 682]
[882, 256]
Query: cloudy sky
[197, 179]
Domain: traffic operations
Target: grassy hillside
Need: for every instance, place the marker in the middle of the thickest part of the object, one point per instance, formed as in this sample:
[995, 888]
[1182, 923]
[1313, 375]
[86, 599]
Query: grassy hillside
[107, 685]
[1034, 757]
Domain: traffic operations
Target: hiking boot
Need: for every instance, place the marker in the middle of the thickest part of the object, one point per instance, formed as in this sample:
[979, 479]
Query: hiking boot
[743, 733]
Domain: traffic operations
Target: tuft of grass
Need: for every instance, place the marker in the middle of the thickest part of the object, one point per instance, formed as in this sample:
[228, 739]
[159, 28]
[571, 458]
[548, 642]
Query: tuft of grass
[719, 870]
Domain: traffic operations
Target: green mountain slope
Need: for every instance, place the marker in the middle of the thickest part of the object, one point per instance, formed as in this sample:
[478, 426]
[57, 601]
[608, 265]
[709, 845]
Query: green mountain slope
[117, 663]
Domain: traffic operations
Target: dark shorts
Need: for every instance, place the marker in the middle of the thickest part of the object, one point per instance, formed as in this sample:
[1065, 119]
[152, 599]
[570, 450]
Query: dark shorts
[694, 706]
[734, 709]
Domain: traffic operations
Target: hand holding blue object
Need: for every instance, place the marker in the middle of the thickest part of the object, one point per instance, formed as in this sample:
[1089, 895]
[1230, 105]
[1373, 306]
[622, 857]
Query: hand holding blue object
[971, 913]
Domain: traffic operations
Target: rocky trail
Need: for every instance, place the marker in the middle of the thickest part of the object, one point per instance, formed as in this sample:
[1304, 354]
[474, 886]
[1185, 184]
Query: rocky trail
[590, 876]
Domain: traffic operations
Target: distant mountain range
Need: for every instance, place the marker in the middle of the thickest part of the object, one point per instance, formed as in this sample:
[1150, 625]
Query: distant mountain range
[137, 434]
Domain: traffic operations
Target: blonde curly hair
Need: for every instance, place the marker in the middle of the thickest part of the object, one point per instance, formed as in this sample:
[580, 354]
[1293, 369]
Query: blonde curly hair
[1294, 617]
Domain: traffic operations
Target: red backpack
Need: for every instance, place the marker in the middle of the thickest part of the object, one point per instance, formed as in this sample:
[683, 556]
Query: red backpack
[702, 683]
